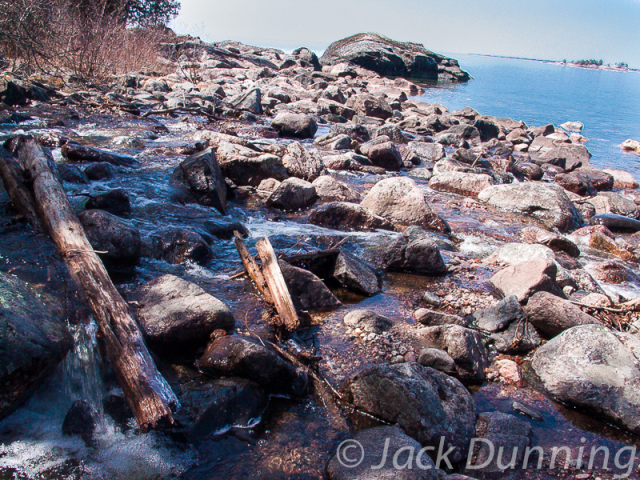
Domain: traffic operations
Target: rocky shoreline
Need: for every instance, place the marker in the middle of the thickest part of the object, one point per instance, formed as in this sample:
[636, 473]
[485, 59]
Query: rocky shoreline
[475, 273]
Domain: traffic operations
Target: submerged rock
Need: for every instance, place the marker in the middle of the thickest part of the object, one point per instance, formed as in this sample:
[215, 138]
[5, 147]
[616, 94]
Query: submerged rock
[177, 246]
[348, 216]
[117, 241]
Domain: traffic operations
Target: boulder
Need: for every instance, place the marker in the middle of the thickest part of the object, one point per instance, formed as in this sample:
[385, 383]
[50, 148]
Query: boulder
[438, 360]
[294, 125]
[428, 152]
[331, 190]
[72, 174]
[463, 345]
[81, 420]
[99, 171]
[468, 184]
[333, 141]
[610, 202]
[117, 241]
[348, 216]
[81, 153]
[250, 101]
[555, 242]
[302, 163]
[293, 194]
[568, 157]
[596, 369]
[384, 155]
[246, 357]
[176, 246]
[488, 129]
[369, 449]
[179, 316]
[307, 291]
[32, 342]
[367, 321]
[547, 203]
[499, 316]
[552, 315]
[400, 200]
[355, 275]
[225, 229]
[621, 178]
[419, 255]
[391, 58]
[200, 177]
[114, 201]
[368, 105]
[527, 278]
[245, 166]
[425, 403]
[613, 273]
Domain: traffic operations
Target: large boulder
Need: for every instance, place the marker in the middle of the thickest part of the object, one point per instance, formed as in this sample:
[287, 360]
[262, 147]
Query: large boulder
[424, 402]
[114, 201]
[348, 216]
[527, 278]
[596, 369]
[32, 342]
[178, 316]
[117, 241]
[245, 357]
[568, 157]
[414, 255]
[293, 194]
[245, 166]
[384, 155]
[294, 125]
[201, 178]
[355, 275]
[547, 203]
[400, 200]
[302, 163]
[331, 190]
[468, 184]
[552, 315]
[391, 58]
[372, 446]
[368, 105]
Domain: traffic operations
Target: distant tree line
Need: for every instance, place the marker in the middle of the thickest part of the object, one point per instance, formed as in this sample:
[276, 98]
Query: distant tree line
[597, 63]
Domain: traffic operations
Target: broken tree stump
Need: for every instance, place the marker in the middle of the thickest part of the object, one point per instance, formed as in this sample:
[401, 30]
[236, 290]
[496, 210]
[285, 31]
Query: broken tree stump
[253, 269]
[147, 392]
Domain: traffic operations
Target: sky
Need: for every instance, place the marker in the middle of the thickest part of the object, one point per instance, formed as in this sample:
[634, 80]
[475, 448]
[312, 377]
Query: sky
[541, 29]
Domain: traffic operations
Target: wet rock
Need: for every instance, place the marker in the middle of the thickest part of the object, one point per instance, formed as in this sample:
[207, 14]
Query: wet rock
[369, 105]
[177, 246]
[245, 166]
[178, 316]
[367, 321]
[293, 194]
[384, 155]
[294, 125]
[308, 292]
[468, 184]
[114, 201]
[117, 241]
[437, 359]
[224, 229]
[621, 179]
[237, 356]
[81, 420]
[32, 342]
[599, 179]
[333, 141]
[555, 242]
[348, 216]
[201, 177]
[80, 153]
[499, 316]
[527, 278]
[618, 247]
[547, 203]
[355, 275]
[99, 171]
[431, 318]
[302, 163]
[250, 102]
[229, 402]
[12, 93]
[613, 273]
[616, 223]
[118, 409]
[72, 174]
[420, 255]
[331, 190]
[514, 253]
[374, 441]
[552, 315]
[567, 157]
[610, 202]
[593, 368]
[463, 345]
[424, 402]
[401, 201]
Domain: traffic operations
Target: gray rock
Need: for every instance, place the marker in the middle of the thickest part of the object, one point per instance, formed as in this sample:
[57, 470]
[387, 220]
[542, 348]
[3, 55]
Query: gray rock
[367, 321]
[32, 342]
[499, 316]
[421, 256]
[384, 155]
[437, 359]
[72, 174]
[236, 356]
[81, 420]
[331, 190]
[610, 202]
[177, 316]
[552, 315]
[555, 242]
[468, 184]
[567, 157]
[432, 299]
[593, 368]
[463, 345]
[368, 105]
[99, 171]
[428, 152]
[353, 274]
[293, 194]
[294, 125]
[176, 246]
[200, 176]
[373, 442]
[432, 318]
[348, 216]
[114, 201]
[117, 241]
[424, 402]
[616, 223]
[308, 292]
[333, 141]
[302, 163]
[249, 167]
[250, 101]
[547, 203]
[527, 278]
[518, 339]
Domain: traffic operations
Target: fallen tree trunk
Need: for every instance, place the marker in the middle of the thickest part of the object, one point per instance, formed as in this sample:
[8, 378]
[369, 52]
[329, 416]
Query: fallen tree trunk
[80, 153]
[150, 397]
[18, 193]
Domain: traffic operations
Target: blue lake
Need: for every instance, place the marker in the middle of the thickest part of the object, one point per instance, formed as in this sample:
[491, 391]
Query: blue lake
[608, 103]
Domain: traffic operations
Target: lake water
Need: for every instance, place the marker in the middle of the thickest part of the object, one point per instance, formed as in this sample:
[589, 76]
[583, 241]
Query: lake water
[608, 103]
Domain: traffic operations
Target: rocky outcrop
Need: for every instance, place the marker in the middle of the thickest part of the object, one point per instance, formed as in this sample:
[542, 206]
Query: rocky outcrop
[390, 58]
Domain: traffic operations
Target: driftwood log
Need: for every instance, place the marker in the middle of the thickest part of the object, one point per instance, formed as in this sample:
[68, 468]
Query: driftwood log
[147, 392]
[19, 194]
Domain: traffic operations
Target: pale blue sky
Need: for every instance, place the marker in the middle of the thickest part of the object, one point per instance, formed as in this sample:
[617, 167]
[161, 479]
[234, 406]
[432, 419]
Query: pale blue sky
[546, 29]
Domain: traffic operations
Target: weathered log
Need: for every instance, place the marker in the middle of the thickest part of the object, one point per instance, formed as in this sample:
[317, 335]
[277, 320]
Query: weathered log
[252, 268]
[18, 193]
[81, 153]
[277, 285]
[147, 392]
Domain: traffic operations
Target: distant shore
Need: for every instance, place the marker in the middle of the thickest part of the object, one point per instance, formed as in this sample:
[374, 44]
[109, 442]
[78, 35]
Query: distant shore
[611, 68]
